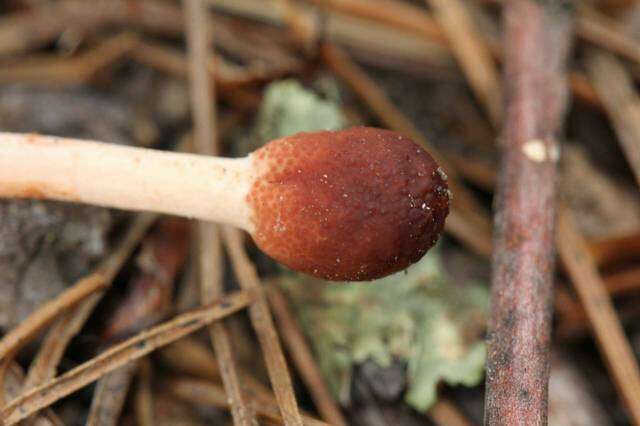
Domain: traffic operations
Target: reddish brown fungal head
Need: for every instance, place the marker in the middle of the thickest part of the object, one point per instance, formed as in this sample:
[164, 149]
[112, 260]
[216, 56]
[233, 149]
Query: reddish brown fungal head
[355, 204]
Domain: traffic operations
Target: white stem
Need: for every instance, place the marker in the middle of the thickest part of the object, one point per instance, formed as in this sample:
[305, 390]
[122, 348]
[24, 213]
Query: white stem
[207, 188]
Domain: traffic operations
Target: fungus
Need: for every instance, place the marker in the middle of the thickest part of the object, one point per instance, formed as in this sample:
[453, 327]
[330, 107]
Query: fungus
[355, 204]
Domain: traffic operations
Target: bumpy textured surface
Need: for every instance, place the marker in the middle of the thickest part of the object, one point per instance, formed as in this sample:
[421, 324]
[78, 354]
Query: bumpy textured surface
[355, 204]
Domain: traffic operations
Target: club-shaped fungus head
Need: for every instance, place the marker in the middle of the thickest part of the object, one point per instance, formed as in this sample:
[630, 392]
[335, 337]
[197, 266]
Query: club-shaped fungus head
[353, 205]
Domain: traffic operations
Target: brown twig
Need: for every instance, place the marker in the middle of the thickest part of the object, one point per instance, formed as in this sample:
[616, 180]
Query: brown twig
[210, 263]
[28, 329]
[615, 249]
[536, 44]
[190, 357]
[121, 354]
[303, 359]
[617, 7]
[376, 41]
[572, 316]
[53, 70]
[263, 324]
[601, 314]
[55, 342]
[409, 18]
[13, 386]
[603, 32]
[622, 104]
[445, 413]
[45, 364]
[62, 331]
[25, 31]
[206, 393]
[472, 53]
[301, 28]
[161, 257]
[572, 319]
[392, 12]
[109, 396]
[143, 395]
[76, 70]
[148, 299]
[43, 316]
[623, 282]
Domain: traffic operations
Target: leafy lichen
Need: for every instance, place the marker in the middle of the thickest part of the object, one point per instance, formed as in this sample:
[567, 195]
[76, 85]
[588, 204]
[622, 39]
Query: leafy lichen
[289, 108]
[418, 317]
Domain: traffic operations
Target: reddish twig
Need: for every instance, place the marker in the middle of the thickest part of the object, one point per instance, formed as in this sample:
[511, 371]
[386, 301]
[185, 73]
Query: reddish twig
[536, 43]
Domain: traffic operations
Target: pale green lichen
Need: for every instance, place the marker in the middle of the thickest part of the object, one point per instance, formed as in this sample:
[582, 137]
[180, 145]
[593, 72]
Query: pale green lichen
[418, 317]
[289, 108]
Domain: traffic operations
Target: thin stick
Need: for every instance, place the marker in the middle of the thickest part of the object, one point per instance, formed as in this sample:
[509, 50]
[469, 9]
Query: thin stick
[617, 7]
[472, 54]
[204, 392]
[13, 386]
[227, 77]
[210, 264]
[301, 29]
[43, 316]
[391, 12]
[602, 31]
[264, 327]
[601, 313]
[148, 298]
[378, 43]
[121, 354]
[536, 40]
[64, 70]
[374, 40]
[53, 70]
[52, 349]
[109, 396]
[192, 358]
[445, 413]
[303, 359]
[615, 249]
[621, 101]
[144, 397]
